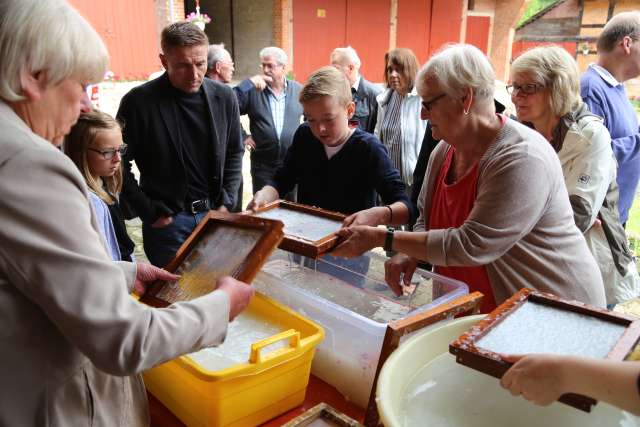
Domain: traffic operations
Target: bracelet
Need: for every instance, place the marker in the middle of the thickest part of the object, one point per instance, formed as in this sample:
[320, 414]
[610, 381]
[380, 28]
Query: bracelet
[390, 214]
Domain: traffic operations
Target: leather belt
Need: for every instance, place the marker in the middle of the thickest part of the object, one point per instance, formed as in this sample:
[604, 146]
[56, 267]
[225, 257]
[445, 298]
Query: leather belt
[198, 206]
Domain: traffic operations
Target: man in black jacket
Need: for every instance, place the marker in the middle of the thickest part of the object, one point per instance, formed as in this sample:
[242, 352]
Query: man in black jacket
[183, 131]
[364, 93]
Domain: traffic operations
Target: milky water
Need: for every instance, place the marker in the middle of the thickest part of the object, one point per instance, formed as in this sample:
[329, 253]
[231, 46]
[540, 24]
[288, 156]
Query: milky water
[245, 330]
[205, 263]
[300, 224]
[444, 393]
[538, 328]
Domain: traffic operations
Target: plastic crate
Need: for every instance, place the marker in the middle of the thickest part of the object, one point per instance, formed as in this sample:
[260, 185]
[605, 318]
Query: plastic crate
[348, 356]
[245, 394]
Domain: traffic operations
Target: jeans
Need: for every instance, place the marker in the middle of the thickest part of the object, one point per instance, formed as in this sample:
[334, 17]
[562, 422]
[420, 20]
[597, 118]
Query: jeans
[161, 244]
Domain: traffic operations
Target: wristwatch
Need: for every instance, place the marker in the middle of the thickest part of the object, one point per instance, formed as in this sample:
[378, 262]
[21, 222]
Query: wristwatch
[388, 240]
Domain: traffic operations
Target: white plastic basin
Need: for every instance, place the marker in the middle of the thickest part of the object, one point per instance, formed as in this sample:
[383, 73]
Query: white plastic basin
[422, 385]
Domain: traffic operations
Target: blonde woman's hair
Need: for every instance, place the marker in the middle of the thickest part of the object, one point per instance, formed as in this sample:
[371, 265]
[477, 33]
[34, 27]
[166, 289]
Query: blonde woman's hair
[76, 144]
[327, 81]
[554, 68]
[47, 36]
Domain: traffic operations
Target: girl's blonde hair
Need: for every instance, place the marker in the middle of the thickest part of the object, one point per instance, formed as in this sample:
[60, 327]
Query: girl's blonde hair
[76, 144]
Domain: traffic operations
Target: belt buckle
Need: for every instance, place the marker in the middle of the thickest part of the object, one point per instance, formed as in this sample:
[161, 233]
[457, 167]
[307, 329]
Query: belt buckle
[198, 206]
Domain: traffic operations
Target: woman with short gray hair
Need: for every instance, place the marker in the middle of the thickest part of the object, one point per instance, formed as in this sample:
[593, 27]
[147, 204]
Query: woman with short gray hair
[494, 211]
[73, 340]
[545, 90]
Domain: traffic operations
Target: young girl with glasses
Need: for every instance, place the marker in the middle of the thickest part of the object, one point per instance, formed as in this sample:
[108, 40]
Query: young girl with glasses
[95, 146]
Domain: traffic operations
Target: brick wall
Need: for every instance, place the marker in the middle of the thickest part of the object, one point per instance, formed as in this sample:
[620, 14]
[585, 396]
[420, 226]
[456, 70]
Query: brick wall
[507, 14]
[283, 26]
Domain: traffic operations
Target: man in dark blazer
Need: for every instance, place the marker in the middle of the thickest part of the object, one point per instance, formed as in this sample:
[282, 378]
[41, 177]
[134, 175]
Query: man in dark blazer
[274, 115]
[183, 132]
[364, 93]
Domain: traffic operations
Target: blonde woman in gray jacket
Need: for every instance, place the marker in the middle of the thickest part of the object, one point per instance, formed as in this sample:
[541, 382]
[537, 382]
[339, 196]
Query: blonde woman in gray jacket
[72, 339]
[494, 210]
[545, 90]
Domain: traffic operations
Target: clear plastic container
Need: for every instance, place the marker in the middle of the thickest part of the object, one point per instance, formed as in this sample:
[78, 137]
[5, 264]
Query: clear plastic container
[350, 299]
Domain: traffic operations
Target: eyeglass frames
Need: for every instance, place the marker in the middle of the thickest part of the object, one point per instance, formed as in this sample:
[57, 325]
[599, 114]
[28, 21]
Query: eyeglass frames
[108, 154]
[528, 89]
[428, 105]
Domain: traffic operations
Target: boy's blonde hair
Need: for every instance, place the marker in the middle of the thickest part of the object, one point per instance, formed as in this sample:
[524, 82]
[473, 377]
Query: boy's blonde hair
[327, 81]
[76, 144]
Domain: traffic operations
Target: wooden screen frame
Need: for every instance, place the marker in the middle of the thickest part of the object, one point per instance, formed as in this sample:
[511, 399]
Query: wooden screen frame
[300, 245]
[271, 236]
[323, 411]
[491, 363]
[466, 304]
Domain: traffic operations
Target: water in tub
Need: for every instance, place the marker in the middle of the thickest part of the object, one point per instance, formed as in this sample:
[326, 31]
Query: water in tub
[449, 394]
[245, 330]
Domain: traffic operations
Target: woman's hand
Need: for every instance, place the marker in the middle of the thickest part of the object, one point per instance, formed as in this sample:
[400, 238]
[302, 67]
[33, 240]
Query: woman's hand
[356, 240]
[537, 377]
[268, 194]
[239, 293]
[372, 216]
[147, 274]
[394, 268]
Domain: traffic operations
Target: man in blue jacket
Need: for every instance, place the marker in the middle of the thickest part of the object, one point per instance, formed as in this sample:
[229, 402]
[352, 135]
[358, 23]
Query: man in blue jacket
[274, 115]
[602, 90]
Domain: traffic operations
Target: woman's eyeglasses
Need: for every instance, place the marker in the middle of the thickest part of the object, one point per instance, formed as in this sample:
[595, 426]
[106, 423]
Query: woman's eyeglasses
[528, 89]
[428, 105]
[108, 154]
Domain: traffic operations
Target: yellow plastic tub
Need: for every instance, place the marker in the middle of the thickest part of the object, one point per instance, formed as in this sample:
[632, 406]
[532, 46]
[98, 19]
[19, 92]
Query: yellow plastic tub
[245, 394]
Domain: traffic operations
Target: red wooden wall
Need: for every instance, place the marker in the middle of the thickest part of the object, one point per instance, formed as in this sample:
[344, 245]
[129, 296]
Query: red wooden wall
[414, 27]
[319, 26]
[520, 46]
[425, 25]
[477, 32]
[128, 28]
[368, 34]
[446, 19]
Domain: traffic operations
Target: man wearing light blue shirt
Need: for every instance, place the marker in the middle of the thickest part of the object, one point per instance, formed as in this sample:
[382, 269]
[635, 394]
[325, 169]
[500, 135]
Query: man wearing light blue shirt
[602, 90]
[274, 115]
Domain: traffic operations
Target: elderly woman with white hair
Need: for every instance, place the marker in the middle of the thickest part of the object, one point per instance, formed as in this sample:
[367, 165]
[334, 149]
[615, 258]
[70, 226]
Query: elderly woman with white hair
[545, 90]
[73, 340]
[494, 211]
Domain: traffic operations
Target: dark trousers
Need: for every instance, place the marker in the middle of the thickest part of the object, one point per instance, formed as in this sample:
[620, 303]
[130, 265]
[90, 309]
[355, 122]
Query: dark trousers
[161, 244]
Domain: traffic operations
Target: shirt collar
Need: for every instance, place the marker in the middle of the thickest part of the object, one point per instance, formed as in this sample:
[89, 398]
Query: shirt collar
[357, 83]
[606, 75]
[284, 90]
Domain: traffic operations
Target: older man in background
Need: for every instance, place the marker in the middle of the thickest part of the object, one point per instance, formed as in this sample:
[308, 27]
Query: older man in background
[602, 90]
[274, 115]
[364, 93]
[220, 67]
